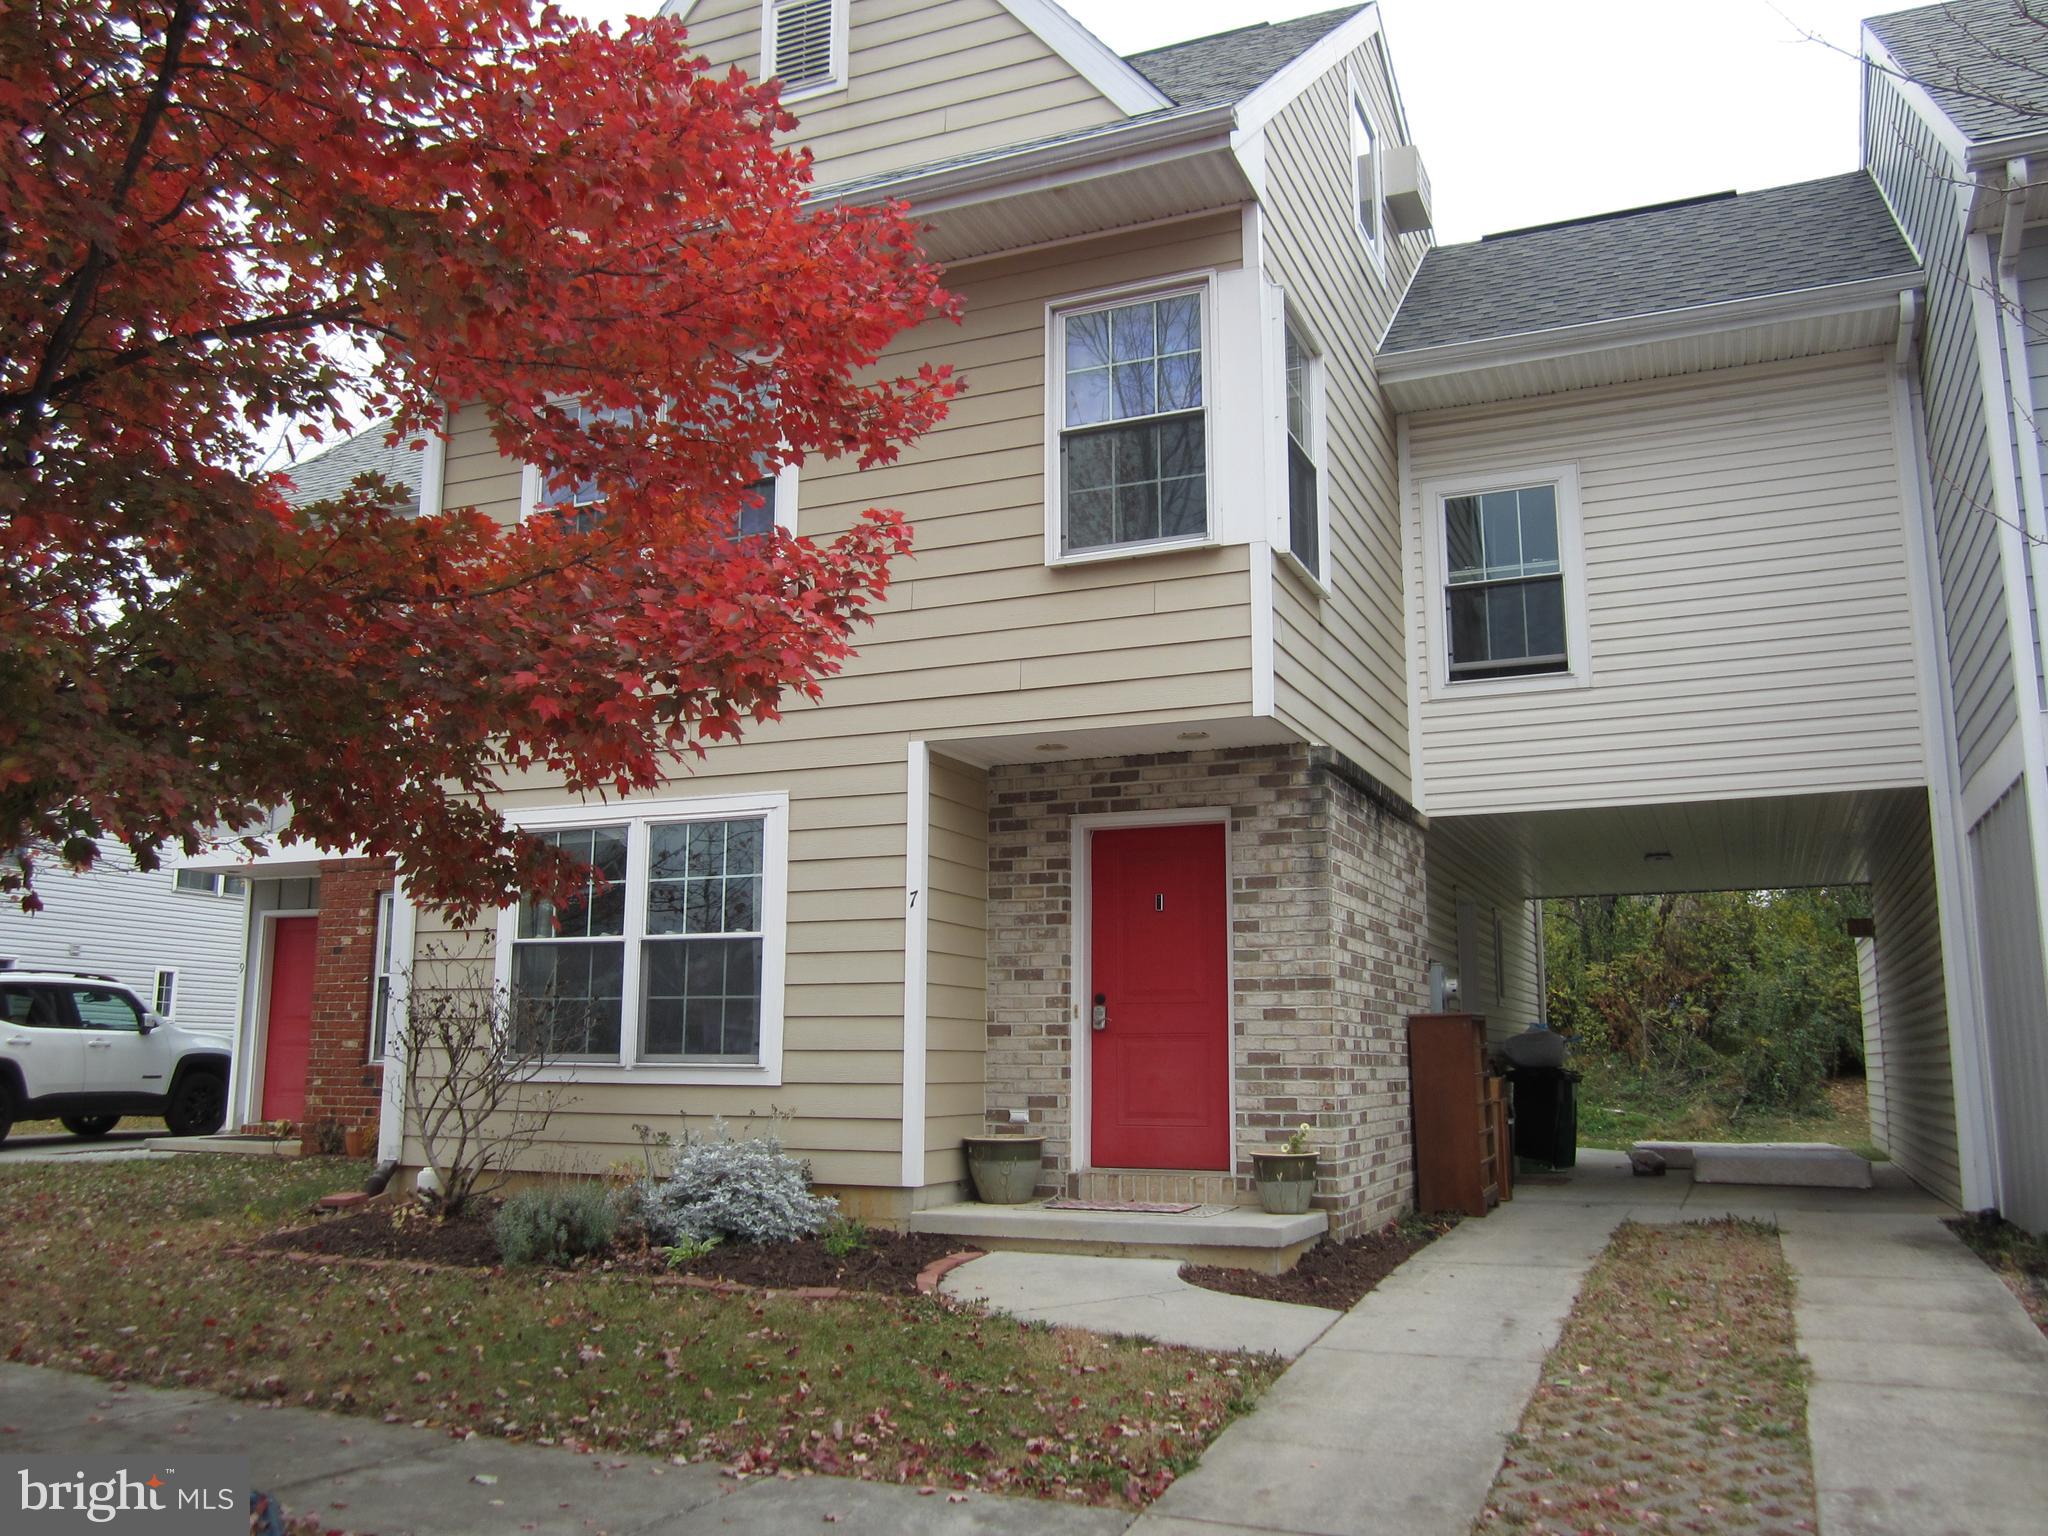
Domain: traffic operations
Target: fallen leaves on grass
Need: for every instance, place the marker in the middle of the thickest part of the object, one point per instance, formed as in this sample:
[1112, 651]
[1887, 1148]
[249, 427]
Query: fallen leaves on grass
[122, 1270]
[1675, 1399]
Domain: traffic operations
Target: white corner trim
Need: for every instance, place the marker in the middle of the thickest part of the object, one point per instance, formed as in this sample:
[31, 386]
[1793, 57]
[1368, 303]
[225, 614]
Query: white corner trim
[1571, 552]
[1091, 58]
[391, 1109]
[434, 468]
[1260, 108]
[916, 957]
[1938, 122]
[1415, 594]
[1263, 648]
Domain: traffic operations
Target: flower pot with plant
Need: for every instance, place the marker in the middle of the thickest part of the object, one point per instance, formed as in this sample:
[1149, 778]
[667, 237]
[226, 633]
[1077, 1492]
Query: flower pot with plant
[1287, 1177]
[1004, 1168]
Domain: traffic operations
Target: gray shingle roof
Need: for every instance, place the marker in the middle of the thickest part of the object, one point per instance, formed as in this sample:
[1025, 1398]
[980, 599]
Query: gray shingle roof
[1809, 235]
[334, 469]
[1231, 65]
[1985, 62]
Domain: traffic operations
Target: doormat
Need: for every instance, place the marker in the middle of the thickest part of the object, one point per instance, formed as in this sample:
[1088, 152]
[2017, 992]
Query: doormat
[1146, 1207]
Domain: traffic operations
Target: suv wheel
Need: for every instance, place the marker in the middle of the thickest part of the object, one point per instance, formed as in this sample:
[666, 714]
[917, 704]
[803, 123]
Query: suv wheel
[91, 1127]
[198, 1105]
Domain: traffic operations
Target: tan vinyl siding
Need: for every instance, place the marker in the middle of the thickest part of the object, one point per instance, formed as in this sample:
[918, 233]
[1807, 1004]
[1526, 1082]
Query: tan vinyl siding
[1337, 657]
[1912, 1009]
[1455, 878]
[928, 80]
[977, 637]
[1745, 584]
[1918, 178]
[2016, 1022]
[956, 966]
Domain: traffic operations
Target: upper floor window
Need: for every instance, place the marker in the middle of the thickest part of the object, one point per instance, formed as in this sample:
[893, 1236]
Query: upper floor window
[1505, 606]
[1131, 425]
[1365, 160]
[803, 44]
[200, 882]
[767, 503]
[677, 960]
[1504, 585]
[1306, 514]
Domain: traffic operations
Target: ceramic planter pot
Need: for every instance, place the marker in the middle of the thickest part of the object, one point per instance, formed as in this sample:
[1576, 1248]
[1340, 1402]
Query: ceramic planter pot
[1005, 1168]
[360, 1140]
[1286, 1181]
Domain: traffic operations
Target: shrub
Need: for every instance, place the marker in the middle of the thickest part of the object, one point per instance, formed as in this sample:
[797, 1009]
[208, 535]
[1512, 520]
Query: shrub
[750, 1191]
[679, 1253]
[556, 1224]
[845, 1238]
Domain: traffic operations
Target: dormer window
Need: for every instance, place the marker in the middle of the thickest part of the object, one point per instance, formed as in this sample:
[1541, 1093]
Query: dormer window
[803, 44]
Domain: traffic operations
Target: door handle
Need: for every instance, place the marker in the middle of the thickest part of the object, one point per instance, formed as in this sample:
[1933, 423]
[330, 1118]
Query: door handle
[1099, 1016]
[16, 1043]
[99, 1045]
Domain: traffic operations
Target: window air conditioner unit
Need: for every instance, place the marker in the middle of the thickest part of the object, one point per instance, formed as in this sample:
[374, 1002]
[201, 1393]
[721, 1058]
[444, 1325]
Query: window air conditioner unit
[1407, 189]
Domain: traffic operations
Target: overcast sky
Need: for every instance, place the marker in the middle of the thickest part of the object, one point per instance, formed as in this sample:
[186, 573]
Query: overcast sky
[1533, 110]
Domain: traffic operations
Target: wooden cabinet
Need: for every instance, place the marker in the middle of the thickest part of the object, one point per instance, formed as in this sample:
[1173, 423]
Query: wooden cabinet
[1462, 1151]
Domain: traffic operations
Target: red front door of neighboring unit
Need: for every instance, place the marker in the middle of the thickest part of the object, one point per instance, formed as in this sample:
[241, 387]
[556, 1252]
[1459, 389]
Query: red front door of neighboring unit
[288, 1018]
[1160, 1064]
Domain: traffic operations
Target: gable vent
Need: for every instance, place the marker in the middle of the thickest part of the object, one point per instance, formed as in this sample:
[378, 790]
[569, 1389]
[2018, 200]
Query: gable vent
[800, 42]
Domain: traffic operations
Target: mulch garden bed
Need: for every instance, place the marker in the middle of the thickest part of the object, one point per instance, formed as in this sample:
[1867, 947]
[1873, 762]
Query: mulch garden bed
[372, 1234]
[1329, 1274]
[890, 1262]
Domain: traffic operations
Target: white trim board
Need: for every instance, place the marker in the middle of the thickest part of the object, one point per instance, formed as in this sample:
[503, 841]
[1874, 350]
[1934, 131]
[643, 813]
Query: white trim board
[1307, 67]
[916, 958]
[1080, 1062]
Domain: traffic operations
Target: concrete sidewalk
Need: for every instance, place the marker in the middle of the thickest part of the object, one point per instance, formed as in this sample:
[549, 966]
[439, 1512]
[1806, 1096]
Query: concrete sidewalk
[1145, 1297]
[366, 1477]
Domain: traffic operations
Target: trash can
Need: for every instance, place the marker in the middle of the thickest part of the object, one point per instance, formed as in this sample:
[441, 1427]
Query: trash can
[1546, 1115]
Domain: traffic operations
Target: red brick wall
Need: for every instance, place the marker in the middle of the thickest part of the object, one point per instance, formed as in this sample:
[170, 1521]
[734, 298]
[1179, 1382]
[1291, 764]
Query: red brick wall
[341, 1085]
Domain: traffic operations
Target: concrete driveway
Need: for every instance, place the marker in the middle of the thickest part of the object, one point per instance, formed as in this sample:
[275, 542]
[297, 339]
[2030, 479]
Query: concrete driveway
[63, 1147]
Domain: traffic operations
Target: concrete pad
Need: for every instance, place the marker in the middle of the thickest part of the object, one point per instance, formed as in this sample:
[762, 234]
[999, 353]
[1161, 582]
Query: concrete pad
[1141, 1297]
[1241, 1235]
[1945, 1367]
[1948, 1459]
[773, 1506]
[1916, 1512]
[1879, 1327]
[1318, 1401]
[1452, 1332]
[1153, 1524]
[1947, 1294]
[1795, 1164]
[1924, 1252]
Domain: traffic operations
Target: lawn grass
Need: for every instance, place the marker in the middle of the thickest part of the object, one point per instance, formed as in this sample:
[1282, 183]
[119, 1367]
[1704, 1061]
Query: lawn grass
[1675, 1399]
[121, 1269]
[1618, 1108]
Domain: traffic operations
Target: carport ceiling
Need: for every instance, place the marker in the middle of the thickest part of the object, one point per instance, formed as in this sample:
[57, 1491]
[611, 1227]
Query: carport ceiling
[1713, 845]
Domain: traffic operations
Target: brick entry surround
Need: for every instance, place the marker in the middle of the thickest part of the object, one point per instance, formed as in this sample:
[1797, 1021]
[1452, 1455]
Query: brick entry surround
[341, 1084]
[1327, 918]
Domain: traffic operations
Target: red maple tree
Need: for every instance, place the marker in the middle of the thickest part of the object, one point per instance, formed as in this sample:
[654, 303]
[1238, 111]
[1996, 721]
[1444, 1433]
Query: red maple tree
[217, 215]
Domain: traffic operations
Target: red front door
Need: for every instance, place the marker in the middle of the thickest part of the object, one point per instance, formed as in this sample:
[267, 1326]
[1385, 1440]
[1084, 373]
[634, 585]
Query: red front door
[288, 1020]
[1160, 1060]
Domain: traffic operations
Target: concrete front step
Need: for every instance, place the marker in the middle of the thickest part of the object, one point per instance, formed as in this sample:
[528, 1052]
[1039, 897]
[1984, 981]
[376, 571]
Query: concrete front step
[233, 1146]
[1236, 1236]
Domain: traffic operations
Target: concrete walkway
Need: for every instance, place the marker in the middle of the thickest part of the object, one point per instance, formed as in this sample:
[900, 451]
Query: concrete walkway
[392, 1480]
[1135, 1296]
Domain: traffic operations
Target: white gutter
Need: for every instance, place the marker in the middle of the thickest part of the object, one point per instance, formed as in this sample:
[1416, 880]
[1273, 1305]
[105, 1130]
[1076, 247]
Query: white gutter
[1123, 146]
[1995, 152]
[1630, 330]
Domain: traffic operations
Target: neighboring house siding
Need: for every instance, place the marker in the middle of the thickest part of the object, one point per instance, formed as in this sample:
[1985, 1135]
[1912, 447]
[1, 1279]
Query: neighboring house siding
[1873, 1041]
[1337, 656]
[2027, 419]
[2016, 1016]
[977, 637]
[1912, 1008]
[1917, 176]
[125, 923]
[1746, 593]
[956, 967]
[928, 79]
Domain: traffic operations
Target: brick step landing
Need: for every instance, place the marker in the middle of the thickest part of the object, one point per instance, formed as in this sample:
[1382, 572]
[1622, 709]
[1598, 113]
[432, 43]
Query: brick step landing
[1155, 1186]
[1236, 1236]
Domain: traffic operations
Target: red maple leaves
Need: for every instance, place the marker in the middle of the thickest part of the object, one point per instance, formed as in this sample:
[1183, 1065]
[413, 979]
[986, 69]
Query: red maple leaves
[222, 214]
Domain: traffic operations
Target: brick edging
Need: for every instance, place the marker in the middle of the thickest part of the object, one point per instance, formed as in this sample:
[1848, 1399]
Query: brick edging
[929, 1277]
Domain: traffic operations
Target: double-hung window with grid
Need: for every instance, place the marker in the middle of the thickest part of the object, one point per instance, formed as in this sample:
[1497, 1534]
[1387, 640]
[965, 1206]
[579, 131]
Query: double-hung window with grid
[1304, 475]
[670, 963]
[1504, 583]
[1133, 424]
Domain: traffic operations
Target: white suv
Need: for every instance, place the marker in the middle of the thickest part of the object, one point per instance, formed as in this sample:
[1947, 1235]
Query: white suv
[81, 1048]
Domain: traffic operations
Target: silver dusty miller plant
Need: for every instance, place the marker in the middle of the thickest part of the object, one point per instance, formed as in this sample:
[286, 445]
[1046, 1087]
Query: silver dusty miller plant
[747, 1191]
